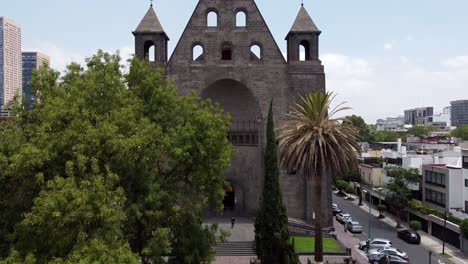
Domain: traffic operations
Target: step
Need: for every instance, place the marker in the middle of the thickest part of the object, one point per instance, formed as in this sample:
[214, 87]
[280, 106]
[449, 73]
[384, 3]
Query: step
[236, 249]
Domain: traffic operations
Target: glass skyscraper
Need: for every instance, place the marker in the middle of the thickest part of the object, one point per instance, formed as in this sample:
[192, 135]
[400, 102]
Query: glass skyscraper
[32, 61]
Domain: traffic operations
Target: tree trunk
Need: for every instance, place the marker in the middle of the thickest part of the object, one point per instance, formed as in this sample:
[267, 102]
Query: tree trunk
[398, 225]
[318, 220]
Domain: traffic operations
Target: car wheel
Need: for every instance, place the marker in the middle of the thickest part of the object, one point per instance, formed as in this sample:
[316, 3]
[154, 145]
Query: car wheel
[376, 262]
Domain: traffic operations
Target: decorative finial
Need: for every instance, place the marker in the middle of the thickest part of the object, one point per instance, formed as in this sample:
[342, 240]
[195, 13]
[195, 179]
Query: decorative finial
[151, 3]
[302, 3]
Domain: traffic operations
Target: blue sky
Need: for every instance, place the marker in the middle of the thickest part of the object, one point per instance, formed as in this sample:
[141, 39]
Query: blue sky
[381, 56]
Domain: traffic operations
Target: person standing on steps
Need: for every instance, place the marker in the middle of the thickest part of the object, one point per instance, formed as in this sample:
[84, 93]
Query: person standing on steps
[233, 221]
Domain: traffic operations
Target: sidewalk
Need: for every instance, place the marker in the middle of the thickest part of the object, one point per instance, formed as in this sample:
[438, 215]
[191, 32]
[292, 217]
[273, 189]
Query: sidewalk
[349, 241]
[427, 241]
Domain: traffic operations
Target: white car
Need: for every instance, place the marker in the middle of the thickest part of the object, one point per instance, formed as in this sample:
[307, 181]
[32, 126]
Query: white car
[342, 218]
[376, 243]
[354, 227]
[377, 253]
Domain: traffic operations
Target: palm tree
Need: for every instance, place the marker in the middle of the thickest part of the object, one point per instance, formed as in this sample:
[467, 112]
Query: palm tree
[316, 144]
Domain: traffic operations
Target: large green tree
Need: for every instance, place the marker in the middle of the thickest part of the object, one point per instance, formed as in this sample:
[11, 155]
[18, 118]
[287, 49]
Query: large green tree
[397, 191]
[271, 223]
[110, 168]
[364, 131]
[461, 132]
[317, 144]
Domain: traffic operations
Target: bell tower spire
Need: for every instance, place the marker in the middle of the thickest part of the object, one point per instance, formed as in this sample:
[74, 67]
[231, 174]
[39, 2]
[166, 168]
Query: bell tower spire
[303, 33]
[150, 35]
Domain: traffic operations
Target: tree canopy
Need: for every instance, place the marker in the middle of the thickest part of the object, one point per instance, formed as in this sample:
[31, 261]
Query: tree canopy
[421, 131]
[398, 193]
[461, 132]
[109, 167]
[364, 130]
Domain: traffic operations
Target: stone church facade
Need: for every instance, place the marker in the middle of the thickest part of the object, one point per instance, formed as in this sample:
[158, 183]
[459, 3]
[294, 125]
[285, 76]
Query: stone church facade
[228, 54]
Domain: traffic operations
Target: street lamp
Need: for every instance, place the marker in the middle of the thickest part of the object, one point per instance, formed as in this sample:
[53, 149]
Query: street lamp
[370, 208]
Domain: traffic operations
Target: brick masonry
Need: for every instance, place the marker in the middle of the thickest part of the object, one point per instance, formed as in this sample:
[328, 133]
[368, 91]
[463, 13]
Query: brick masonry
[244, 86]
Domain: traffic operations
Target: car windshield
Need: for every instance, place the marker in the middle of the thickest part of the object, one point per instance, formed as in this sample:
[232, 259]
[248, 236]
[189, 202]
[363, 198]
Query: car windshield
[399, 251]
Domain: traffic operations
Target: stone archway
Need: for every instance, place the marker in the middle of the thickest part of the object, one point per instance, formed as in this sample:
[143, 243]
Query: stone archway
[246, 170]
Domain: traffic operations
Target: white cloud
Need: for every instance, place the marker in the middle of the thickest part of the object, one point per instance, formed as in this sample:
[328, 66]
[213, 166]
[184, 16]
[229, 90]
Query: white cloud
[409, 37]
[388, 46]
[381, 88]
[460, 62]
[61, 57]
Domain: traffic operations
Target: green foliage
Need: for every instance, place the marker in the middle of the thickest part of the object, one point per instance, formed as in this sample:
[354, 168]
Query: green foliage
[427, 210]
[398, 194]
[461, 132]
[386, 136]
[421, 131]
[415, 225]
[381, 208]
[110, 168]
[364, 131]
[271, 223]
[464, 228]
[344, 186]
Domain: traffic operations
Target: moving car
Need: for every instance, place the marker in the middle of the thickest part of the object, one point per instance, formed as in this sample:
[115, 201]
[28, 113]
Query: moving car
[342, 217]
[376, 243]
[335, 209]
[354, 227]
[377, 254]
[409, 236]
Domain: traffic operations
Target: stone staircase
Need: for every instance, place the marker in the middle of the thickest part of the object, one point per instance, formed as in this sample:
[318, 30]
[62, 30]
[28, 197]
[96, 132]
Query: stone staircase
[236, 249]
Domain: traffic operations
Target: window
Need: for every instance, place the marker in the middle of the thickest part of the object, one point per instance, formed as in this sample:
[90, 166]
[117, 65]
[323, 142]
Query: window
[466, 183]
[435, 197]
[304, 51]
[435, 178]
[150, 51]
[465, 162]
[255, 52]
[197, 53]
[226, 52]
[212, 19]
[241, 19]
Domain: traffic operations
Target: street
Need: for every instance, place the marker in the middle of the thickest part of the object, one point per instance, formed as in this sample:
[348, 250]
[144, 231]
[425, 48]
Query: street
[417, 254]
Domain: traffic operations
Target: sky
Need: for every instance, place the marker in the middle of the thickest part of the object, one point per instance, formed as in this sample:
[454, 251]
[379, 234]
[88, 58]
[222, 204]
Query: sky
[380, 56]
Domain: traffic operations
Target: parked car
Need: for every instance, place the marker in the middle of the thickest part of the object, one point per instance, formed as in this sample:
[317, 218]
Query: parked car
[341, 217]
[354, 227]
[398, 260]
[376, 254]
[335, 209]
[409, 236]
[375, 243]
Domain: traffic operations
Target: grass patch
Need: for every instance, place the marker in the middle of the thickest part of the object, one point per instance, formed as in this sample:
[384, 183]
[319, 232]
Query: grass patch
[305, 245]
[446, 255]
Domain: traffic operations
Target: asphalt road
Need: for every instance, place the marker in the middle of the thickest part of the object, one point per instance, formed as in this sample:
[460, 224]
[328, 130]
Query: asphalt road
[417, 254]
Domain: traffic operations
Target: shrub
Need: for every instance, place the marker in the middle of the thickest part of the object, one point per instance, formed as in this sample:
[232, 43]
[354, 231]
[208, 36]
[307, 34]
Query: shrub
[349, 188]
[381, 208]
[415, 225]
[464, 228]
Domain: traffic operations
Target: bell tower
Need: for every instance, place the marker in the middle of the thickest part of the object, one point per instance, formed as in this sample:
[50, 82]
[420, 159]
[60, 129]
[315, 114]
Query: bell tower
[303, 39]
[151, 40]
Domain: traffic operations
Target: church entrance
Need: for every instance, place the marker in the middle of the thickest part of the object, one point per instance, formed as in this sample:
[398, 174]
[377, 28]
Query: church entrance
[229, 201]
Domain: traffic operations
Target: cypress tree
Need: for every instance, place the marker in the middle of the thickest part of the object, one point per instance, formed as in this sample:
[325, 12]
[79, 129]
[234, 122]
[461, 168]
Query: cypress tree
[271, 223]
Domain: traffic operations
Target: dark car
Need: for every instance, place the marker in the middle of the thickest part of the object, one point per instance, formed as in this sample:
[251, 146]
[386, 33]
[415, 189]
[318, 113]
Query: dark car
[409, 236]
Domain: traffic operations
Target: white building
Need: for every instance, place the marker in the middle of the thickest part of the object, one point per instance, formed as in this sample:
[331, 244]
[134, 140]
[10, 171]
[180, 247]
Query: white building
[391, 124]
[441, 120]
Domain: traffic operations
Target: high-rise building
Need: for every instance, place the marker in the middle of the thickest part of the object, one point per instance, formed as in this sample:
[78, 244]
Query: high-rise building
[10, 60]
[418, 116]
[32, 61]
[459, 112]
